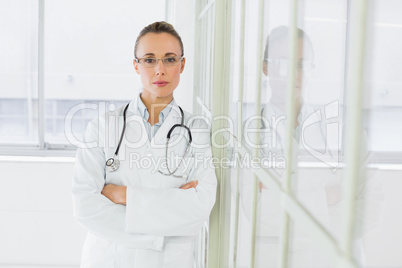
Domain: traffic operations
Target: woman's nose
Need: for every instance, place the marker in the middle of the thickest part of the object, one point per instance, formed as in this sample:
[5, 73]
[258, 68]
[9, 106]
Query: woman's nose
[299, 77]
[160, 68]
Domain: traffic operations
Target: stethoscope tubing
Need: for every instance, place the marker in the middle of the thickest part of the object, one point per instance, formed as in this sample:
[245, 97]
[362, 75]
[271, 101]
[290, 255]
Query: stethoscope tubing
[123, 130]
[112, 164]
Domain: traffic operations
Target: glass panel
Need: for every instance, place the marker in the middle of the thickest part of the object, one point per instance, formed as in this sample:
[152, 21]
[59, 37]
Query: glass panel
[243, 253]
[378, 222]
[304, 251]
[88, 57]
[317, 182]
[18, 72]
[384, 113]
[269, 208]
[318, 87]
[318, 122]
[236, 218]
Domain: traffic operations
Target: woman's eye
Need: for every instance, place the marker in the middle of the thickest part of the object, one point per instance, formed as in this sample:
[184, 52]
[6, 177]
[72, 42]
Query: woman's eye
[149, 60]
[170, 59]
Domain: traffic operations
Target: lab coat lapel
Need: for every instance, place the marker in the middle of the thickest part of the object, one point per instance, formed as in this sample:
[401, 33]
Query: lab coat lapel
[173, 118]
[136, 129]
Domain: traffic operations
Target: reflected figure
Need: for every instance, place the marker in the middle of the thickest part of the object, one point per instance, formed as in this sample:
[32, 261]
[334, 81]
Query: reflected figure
[320, 191]
[276, 63]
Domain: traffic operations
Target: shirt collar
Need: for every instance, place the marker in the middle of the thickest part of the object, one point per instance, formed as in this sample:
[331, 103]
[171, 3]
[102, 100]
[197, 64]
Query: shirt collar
[144, 112]
[142, 108]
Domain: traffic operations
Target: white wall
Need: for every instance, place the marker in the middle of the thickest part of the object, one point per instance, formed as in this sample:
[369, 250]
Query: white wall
[37, 225]
[181, 16]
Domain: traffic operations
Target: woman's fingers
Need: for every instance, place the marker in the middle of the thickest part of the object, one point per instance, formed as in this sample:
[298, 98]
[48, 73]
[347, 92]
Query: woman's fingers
[188, 185]
[117, 194]
[191, 184]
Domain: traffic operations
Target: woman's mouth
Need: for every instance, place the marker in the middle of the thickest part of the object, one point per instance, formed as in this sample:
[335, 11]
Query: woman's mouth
[160, 83]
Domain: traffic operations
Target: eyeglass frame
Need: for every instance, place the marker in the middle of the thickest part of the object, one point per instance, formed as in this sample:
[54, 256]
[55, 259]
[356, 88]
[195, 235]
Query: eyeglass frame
[275, 61]
[180, 59]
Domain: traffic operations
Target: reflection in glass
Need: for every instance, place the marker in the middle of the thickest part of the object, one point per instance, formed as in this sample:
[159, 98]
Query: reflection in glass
[316, 140]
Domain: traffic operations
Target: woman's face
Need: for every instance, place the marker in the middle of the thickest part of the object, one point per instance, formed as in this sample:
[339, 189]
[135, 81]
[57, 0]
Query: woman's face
[278, 71]
[159, 81]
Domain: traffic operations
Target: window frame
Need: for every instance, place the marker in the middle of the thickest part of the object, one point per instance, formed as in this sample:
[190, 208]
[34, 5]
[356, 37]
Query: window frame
[40, 146]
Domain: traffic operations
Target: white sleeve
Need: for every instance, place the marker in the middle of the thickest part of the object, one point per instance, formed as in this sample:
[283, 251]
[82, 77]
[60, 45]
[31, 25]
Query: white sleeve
[94, 211]
[171, 211]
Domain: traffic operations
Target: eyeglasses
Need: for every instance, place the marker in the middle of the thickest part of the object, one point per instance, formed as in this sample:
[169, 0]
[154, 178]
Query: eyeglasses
[152, 62]
[302, 65]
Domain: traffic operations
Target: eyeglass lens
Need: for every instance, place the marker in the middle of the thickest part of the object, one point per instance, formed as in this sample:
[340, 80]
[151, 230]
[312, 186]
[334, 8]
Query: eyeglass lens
[167, 61]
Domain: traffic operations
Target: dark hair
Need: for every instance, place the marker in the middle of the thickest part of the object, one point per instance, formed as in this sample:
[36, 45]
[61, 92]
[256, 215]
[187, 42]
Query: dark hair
[159, 27]
[282, 32]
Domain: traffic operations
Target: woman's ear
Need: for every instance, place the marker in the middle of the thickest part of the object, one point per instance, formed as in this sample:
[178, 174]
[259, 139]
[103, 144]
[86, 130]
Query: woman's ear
[183, 62]
[136, 67]
[265, 68]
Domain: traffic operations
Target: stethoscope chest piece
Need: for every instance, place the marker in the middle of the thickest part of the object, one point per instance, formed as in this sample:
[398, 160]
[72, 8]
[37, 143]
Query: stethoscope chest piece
[112, 164]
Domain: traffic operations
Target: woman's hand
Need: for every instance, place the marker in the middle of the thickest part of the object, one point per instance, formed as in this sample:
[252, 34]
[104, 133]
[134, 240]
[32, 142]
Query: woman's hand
[188, 185]
[117, 194]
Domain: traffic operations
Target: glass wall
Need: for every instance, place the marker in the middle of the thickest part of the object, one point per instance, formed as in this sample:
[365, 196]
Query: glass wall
[312, 109]
[382, 114]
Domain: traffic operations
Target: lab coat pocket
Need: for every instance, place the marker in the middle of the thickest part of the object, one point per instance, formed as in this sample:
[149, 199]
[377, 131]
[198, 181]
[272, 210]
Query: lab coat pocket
[146, 258]
[178, 255]
[125, 257]
[97, 252]
[137, 258]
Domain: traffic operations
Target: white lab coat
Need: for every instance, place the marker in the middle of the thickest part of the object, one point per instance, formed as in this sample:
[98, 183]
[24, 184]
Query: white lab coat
[157, 227]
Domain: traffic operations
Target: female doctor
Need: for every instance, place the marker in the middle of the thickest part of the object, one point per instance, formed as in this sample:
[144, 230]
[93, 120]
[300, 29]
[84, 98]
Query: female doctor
[144, 185]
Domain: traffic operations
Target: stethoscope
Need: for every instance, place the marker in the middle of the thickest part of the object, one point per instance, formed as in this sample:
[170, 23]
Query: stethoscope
[113, 163]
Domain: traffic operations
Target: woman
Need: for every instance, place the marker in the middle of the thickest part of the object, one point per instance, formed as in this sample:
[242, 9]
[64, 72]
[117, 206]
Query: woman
[137, 213]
